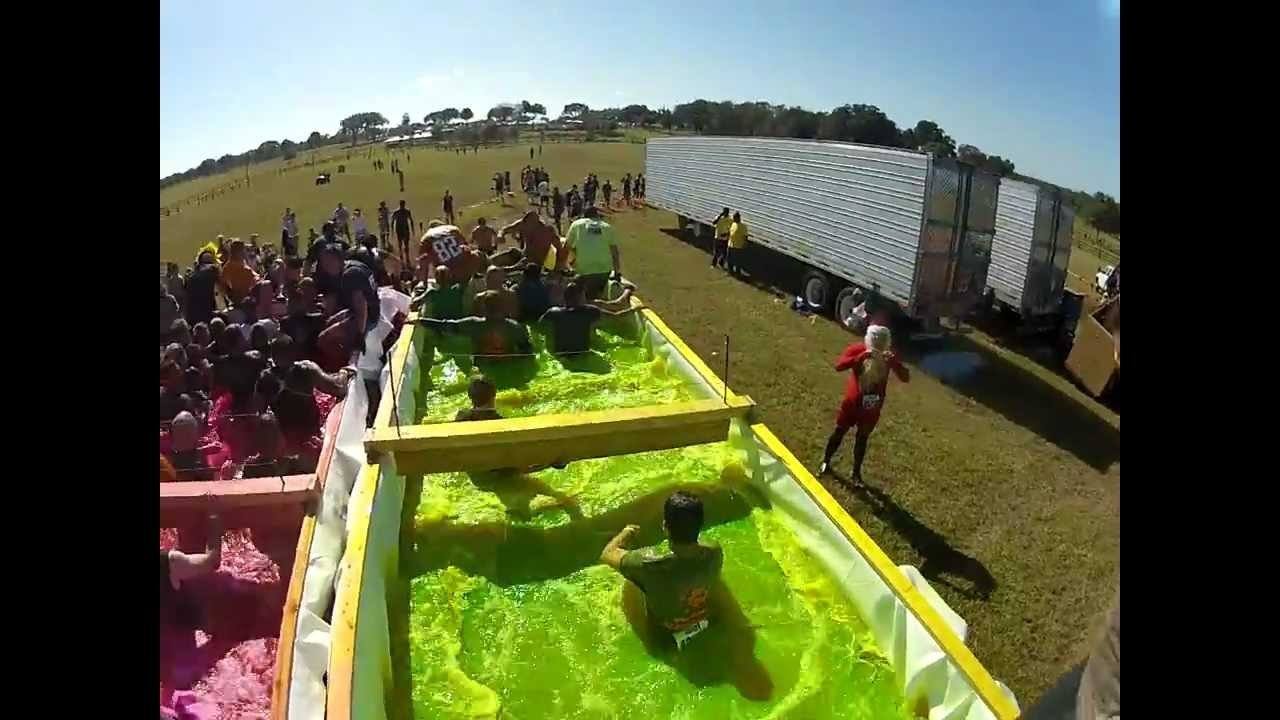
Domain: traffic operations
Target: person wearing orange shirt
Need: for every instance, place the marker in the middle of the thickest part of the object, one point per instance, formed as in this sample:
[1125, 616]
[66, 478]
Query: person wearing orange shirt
[237, 278]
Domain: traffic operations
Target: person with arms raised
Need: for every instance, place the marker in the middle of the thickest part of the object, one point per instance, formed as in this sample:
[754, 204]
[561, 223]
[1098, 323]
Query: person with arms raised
[870, 362]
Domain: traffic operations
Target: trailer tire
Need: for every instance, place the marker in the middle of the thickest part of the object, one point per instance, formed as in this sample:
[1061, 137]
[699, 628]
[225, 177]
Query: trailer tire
[817, 289]
[846, 300]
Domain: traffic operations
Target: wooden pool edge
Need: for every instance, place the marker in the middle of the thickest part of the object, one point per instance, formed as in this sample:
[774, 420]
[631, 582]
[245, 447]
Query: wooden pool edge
[564, 437]
[978, 677]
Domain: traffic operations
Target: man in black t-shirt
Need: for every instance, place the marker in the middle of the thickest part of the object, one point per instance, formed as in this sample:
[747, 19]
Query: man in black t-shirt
[402, 223]
[571, 325]
[201, 287]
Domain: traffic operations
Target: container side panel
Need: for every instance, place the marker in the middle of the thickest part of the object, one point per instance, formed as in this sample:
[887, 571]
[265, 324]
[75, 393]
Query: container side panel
[851, 210]
[1011, 246]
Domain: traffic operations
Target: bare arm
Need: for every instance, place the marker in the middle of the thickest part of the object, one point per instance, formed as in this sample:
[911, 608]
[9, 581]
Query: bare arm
[617, 262]
[613, 552]
[621, 306]
[183, 567]
[334, 384]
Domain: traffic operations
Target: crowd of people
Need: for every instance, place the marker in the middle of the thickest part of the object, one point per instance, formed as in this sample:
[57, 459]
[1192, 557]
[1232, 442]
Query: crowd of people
[256, 347]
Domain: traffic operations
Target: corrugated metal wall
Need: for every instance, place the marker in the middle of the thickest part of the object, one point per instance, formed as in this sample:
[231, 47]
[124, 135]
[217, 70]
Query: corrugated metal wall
[852, 210]
[1011, 246]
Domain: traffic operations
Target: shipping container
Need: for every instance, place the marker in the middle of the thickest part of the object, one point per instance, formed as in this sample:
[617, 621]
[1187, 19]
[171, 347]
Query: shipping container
[914, 228]
[1031, 248]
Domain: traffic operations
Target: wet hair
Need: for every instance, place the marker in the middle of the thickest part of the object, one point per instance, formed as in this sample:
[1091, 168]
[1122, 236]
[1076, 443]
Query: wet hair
[259, 339]
[481, 390]
[281, 345]
[267, 387]
[737, 217]
[724, 212]
[683, 515]
[199, 329]
[574, 292]
[180, 329]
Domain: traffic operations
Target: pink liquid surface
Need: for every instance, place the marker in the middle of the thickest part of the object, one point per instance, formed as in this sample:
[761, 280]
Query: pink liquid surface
[225, 667]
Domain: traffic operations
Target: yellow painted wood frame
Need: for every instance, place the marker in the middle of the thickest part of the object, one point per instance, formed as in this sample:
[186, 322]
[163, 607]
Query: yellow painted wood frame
[546, 439]
[972, 670]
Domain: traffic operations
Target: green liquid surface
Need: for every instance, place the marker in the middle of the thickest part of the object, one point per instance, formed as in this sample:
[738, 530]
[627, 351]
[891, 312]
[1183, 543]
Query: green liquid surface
[510, 614]
[619, 372]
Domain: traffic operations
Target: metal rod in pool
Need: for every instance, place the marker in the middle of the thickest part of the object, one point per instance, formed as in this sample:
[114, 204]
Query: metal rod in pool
[725, 379]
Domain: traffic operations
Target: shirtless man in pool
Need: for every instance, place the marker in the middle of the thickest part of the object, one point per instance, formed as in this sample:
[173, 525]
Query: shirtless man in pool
[680, 606]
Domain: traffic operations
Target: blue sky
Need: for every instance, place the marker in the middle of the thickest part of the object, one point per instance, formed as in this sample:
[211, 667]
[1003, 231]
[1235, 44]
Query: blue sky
[1036, 82]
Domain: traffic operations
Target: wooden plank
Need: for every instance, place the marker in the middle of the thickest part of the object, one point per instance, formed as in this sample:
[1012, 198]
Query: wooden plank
[506, 449]
[289, 622]
[546, 427]
[346, 608]
[249, 492]
[963, 658]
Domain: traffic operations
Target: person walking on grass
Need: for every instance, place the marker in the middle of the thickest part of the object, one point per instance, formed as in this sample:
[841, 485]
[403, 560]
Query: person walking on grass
[720, 247]
[607, 189]
[342, 220]
[384, 225]
[870, 362]
[626, 190]
[557, 206]
[448, 207]
[402, 221]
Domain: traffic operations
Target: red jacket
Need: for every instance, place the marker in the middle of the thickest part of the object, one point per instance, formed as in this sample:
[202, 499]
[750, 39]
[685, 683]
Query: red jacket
[859, 402]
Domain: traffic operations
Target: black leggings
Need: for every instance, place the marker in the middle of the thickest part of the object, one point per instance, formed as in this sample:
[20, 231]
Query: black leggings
[859, 446]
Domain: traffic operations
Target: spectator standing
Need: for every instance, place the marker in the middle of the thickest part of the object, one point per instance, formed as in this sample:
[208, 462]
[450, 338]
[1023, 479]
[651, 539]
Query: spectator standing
[557, 206]
[202, 285]
[342, 220]
[360, 224]
[447, 204]
[626, 189]
[384, 224]
[402, 222]
[608, 193]
[737, 244]
[289, 233]
[720, 248]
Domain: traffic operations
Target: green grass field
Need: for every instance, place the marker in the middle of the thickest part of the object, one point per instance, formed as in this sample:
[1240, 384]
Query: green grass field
[1012, 474]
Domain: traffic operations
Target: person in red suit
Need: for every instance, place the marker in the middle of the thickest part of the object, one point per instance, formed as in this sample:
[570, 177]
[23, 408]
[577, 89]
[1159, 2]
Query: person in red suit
[870, 362]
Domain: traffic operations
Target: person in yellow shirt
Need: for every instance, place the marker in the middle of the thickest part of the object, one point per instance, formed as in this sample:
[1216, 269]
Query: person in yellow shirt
[237, 277]
[720, 250]
[737, 244]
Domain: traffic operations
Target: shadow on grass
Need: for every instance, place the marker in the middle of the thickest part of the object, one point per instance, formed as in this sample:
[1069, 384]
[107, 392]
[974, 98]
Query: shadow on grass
[940, 563]
[762, 268]
[1024, 399]
[1059, 701]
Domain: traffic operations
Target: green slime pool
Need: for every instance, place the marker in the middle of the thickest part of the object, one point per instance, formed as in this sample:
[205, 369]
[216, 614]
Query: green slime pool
[511, 616]
[621, 371]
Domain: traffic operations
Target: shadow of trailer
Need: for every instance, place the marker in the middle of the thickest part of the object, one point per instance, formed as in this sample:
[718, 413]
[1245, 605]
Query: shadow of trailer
[1094, 361]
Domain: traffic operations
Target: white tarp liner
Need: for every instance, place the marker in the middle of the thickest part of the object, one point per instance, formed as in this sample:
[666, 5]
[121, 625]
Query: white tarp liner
[920, 664]
[311, 639]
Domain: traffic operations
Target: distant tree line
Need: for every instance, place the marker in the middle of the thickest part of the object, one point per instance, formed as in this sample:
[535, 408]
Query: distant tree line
[853, 123]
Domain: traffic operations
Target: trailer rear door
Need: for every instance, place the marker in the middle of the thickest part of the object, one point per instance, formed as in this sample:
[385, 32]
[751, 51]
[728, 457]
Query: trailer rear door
[955, 243]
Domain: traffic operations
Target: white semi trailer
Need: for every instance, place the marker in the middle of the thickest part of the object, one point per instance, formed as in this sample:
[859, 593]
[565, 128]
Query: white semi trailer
[913, 228]
[1030, 250]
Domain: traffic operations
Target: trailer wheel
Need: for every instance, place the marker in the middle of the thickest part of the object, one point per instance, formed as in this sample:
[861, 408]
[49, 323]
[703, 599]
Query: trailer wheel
[846, 300]
[816, 288]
